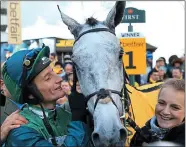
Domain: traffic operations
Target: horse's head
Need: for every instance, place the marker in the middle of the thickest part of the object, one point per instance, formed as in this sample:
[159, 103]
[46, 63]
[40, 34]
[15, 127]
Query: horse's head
[96, 55]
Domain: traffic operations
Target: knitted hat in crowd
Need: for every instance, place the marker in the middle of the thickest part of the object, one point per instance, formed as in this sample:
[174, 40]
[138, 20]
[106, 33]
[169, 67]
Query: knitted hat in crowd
[160, 59]
[14, 73]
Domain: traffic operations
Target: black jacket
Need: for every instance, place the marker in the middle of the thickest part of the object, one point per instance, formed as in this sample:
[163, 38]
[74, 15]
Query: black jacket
[176, 135]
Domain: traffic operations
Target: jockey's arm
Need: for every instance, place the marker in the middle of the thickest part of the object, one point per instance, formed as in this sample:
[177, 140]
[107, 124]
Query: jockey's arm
[24, 136]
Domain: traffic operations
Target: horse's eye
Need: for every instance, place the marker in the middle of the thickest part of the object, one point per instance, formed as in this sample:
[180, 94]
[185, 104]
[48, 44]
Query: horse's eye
[121, 54]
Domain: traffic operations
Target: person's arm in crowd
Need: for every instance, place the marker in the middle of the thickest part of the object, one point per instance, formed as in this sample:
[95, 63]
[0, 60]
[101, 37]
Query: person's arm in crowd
[13, 121]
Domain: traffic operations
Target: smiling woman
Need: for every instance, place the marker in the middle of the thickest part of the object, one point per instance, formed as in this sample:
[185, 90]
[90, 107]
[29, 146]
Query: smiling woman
[170, 106]
[168, 124]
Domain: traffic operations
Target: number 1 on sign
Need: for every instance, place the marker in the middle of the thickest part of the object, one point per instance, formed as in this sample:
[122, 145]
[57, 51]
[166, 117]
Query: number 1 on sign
[131, 66]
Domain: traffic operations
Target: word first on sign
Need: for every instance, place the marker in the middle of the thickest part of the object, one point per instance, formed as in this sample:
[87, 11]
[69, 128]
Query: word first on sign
[134, 58]
[133, 15]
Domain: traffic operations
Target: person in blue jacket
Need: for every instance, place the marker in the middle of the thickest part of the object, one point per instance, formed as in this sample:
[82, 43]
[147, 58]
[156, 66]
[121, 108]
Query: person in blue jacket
[32, 82]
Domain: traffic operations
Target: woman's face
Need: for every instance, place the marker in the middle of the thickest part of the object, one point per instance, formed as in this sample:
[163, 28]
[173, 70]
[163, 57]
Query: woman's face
[161, 63]
[170, 107]
[161, 72]
[66, 87]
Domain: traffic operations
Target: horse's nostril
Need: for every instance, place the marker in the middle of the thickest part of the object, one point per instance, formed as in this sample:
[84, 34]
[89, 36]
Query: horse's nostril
[123, 134]
[96, 139]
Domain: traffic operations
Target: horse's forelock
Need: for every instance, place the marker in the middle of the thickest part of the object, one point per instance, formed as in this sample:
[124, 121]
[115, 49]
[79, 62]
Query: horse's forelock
[91, 21]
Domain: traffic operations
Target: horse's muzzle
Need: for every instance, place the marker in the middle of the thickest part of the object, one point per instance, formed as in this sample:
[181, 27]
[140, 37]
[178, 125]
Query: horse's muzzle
[109, 139]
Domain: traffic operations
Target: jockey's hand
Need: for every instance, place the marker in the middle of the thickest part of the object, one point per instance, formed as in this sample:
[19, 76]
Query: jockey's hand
[78, 106]
[14, 120]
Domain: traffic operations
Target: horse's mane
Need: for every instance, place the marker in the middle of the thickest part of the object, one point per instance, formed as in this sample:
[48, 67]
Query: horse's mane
[91, 21]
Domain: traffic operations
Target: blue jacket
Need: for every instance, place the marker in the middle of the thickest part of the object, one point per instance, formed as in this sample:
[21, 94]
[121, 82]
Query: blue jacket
[25, 136]
[67, 132]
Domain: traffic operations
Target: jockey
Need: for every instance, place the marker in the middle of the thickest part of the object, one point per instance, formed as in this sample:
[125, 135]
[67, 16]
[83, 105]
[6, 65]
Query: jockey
[32, 82]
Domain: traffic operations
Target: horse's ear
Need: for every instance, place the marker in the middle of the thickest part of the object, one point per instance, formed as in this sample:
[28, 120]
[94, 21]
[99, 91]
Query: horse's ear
[73, 25]
[115, 15]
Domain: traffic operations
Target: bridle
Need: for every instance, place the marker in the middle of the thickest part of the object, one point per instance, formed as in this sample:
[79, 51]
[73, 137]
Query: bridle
[103, 93]
[106, 93]
[94, 30]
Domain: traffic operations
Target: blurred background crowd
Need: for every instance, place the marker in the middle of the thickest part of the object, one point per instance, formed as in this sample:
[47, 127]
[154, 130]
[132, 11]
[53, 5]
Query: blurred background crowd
[162, 70]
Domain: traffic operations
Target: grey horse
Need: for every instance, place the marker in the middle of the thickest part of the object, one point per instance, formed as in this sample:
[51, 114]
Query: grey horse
[96, 54]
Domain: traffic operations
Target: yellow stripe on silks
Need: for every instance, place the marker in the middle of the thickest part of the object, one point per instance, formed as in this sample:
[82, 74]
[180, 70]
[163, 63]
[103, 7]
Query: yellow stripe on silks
[152, 95]
[149, 85]
[143, 104]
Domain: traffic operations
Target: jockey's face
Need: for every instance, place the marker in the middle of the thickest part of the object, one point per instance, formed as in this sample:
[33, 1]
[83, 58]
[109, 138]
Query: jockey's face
[170, 107]
[49, 84]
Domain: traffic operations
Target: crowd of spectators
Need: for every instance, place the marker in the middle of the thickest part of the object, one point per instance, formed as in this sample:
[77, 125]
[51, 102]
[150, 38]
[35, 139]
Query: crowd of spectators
[161, 71]
[175, 68]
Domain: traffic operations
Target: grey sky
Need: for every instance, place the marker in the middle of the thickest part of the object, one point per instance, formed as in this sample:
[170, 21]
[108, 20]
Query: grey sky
[30, 11]
[164, 25]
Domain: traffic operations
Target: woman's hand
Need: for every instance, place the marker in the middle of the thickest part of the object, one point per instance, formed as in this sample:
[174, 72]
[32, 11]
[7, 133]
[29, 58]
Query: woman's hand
[14, 120]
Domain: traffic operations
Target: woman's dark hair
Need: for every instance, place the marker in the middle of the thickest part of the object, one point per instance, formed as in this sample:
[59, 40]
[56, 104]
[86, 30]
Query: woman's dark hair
[53, 54]
[59, 63]
[171, 58]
